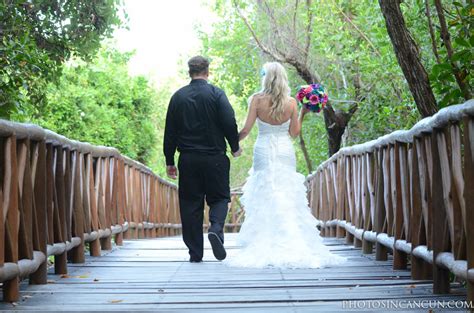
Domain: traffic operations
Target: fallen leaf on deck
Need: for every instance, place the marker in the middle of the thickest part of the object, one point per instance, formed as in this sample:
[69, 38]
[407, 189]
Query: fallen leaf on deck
[95, 279]
[115, 301]
[83, 276]
[412, 286]
[49, 281]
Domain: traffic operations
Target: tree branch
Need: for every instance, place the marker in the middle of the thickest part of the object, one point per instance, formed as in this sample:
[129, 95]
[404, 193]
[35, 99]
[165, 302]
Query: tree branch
[458, 73]
[362, 34]
[255, 37]
[432, 33]
[297, 2]
[309, 30]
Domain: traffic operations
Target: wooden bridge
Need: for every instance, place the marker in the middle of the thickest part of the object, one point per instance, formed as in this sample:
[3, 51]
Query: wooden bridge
[401, 208]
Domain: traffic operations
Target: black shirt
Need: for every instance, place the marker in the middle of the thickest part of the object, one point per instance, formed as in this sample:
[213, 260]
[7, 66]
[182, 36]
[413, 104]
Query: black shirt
[199, 117]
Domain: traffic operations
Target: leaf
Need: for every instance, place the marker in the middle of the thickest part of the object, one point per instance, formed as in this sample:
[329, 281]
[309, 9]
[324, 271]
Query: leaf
[462, 42]
[438, 68]
[115, 301]
[462, 55]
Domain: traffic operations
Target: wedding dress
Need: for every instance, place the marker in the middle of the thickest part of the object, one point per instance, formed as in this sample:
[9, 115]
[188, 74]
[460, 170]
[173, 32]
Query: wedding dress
[279, 229]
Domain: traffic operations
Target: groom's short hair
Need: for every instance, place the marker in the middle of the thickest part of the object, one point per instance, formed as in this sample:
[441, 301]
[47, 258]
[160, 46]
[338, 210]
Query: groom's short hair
[198, 65]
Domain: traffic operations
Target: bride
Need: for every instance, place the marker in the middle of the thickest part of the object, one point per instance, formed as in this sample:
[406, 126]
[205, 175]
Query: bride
[279, 229]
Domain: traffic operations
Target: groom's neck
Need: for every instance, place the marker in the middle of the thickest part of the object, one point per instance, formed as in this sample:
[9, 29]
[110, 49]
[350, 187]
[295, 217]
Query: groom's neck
[205, 77]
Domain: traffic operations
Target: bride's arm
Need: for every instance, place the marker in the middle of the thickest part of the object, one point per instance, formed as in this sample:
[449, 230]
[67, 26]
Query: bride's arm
[251, 117]
[296, 121]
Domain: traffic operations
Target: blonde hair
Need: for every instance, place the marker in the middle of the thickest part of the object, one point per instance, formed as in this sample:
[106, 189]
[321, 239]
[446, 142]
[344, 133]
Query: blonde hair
[275, 84]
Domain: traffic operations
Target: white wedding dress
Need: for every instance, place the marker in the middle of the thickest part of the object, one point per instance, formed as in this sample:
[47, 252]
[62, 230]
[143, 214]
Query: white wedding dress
[279, 229]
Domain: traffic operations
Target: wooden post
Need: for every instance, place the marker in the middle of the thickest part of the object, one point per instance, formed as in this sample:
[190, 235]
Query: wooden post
[60, 232]
[119, 239]
[11, 288]
[381, 253]
[349, 238]
[77, 253]
[106, 243]
[41, 214]
[92, 178]
[469, 198]
[399, 257]
[419, 268]
[357, 242]
[367, 247]
[440, 226]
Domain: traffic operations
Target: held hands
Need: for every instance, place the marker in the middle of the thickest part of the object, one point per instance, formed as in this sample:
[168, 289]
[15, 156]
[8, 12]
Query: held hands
[237, 153]
[171, 171]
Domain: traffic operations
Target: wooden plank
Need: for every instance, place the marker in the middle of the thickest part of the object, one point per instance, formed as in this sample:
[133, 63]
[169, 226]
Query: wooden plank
[151, 274]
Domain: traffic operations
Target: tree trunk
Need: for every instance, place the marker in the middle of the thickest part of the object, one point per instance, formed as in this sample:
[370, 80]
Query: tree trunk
[309, 164]
[336, 122]
[408, 57]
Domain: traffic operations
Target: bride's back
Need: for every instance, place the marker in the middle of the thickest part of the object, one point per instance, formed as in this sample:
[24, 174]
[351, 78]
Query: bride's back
[263, 104]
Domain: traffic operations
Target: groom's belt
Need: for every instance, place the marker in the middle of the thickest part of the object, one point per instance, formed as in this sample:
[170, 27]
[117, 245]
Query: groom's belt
[203, 152]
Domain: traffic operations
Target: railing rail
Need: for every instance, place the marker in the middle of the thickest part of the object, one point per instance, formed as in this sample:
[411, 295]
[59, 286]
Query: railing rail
[59, 194]
[411, 192]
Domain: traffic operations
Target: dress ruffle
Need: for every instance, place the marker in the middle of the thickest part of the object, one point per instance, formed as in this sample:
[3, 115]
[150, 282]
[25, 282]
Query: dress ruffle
[279, 229]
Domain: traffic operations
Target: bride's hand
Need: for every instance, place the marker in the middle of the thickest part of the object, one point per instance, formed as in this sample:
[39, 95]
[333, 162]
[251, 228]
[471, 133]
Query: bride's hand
[304, 110]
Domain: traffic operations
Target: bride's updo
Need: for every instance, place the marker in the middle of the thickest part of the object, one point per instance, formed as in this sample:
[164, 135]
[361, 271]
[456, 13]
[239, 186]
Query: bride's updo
[275, 84]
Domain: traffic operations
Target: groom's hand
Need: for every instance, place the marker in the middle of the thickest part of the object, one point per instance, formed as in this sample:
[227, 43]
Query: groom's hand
[172, 171]
[237, 153]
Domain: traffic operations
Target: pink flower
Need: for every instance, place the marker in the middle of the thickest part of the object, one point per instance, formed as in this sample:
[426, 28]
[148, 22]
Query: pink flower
[314, 99]
[308, 89]
[300, 95]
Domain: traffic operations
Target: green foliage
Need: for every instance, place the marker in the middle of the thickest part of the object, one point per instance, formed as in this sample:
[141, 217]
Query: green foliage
[460, 20]
[100, 103]
[338, 53]
[37, 36]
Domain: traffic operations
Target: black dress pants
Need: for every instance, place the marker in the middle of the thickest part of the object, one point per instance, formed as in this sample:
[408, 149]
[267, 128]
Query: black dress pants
[202, 177]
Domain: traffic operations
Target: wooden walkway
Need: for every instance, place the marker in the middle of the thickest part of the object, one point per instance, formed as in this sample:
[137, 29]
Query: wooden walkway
[154, 275]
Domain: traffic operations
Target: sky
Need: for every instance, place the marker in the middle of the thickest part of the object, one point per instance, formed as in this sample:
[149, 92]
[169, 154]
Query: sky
[162, 32]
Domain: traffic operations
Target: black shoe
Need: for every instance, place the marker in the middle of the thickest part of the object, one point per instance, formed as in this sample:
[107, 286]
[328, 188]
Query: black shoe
[195, 260]
[217, 246]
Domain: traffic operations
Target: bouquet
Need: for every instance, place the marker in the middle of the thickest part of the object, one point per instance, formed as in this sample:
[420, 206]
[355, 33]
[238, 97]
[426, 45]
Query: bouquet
[313, 96]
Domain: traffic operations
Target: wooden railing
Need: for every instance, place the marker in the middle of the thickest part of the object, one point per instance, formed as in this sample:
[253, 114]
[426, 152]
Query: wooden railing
[410, 193]
[58, 195]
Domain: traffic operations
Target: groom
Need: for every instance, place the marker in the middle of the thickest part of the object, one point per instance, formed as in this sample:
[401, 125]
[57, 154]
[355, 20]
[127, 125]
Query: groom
[199, 117]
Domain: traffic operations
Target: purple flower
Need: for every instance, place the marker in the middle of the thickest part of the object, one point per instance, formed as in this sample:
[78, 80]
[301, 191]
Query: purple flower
[325, 98]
